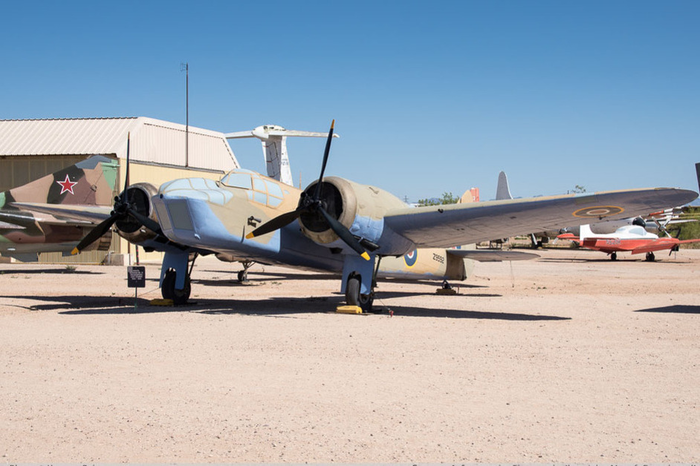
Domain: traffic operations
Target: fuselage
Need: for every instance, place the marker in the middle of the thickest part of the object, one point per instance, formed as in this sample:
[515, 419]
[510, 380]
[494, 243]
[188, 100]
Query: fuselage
[217, 216]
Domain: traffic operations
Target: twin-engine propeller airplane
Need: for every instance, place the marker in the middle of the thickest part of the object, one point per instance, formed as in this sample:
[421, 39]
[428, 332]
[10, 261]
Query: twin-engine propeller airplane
[342, 226]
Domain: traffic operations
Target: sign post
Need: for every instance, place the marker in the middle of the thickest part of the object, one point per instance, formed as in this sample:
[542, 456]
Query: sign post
[136, 278]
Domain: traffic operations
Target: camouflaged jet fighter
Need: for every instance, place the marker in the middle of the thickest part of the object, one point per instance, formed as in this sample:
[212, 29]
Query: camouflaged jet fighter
[26, 230]
[355, 230]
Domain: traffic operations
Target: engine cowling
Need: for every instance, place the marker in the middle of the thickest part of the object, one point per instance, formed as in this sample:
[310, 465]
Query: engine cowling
[139, 197]
[360, 208]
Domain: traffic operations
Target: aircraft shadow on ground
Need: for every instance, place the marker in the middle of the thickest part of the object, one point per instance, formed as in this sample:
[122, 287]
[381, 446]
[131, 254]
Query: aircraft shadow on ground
[274, 307]
[63, 271]
[676, 309]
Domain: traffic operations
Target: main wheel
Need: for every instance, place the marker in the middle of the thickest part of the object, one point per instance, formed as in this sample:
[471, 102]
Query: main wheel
[353, 296]
[242, 276]
[168, 289]
[651, 257]
[613, 256]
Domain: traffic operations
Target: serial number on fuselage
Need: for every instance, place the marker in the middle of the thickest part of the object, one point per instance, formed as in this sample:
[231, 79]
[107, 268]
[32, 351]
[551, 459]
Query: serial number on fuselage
[438, 258]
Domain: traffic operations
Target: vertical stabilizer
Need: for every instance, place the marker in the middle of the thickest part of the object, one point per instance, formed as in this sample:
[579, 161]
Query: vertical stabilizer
[274, 145]
[697, 173]
[470, 195]
[585, 232]
[89, 182]
[502, 190]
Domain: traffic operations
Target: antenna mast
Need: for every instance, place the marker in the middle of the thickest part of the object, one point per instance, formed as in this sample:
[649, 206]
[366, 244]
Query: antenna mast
[186, 68]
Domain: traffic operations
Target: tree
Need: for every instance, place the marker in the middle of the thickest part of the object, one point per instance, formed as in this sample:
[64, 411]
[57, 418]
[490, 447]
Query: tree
[447, 198]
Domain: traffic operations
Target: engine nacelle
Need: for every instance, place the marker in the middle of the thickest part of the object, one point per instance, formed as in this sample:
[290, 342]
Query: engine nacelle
[360, 208]
[139, 196]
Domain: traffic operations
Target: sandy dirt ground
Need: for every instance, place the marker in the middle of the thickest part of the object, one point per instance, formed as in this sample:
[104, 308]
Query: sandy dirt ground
[569, 358]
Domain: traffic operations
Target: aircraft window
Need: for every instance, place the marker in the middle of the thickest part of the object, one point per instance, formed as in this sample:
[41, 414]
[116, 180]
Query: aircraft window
[273, 189]
[237, 180]
[275, 194]
[260, 197]
[259, 185]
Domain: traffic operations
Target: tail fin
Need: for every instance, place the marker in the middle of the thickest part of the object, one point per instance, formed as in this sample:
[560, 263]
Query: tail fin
[274, 144]
[89, 182]
[502, 190]
[585, 232]
[470, 195]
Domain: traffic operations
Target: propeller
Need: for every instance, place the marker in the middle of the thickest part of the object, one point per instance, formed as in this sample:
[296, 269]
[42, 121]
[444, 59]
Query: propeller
[122, 209]
[313, 204]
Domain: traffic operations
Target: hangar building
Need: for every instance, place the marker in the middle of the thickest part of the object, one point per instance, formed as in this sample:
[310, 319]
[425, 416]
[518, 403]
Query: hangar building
[30, 149]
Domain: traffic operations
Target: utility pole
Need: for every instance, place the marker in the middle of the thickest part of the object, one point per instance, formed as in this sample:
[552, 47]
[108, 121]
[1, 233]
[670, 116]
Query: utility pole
[186, 68]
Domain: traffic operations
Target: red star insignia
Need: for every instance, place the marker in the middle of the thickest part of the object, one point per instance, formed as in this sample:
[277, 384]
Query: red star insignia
[67, 185]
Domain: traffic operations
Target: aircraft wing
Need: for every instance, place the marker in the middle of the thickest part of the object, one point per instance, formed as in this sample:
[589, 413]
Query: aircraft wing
[661, 244]
[69, 214]
[453, 224]
[492, 255]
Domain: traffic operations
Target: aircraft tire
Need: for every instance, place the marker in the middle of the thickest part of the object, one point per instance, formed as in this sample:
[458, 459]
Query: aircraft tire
[353, 296]
[169, 292]
[242, 276]
[613, 256]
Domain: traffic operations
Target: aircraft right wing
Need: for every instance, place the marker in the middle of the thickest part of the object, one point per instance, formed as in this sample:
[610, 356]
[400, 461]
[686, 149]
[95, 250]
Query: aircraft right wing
[449, 225]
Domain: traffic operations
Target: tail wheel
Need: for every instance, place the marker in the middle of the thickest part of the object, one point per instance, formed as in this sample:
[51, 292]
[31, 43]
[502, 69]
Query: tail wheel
[168, 289]
[354, 297]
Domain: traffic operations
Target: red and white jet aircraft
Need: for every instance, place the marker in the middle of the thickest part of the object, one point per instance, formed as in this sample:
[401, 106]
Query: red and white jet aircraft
[628, 238]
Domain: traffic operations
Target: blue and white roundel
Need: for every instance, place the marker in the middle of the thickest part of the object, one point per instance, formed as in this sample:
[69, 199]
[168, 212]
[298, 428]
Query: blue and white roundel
[411, 258]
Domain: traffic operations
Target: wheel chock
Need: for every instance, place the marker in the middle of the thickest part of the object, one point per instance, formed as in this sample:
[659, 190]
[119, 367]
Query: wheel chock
[445, 291]
[161, 302]
[349, 309]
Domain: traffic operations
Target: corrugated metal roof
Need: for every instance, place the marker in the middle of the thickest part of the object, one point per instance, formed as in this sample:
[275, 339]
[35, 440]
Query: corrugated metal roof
[152, 140]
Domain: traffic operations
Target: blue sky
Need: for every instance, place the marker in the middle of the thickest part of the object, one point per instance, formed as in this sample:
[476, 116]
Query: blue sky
[428, 97]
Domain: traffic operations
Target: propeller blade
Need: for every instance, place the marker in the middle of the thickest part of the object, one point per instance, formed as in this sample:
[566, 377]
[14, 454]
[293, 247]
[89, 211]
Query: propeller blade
[344, 234]
[126, 175]
[276, 223]
[95, 234]
[317, 193]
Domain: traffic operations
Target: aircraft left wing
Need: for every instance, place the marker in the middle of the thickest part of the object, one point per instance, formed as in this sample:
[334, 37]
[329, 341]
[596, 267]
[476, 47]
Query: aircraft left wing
[448, 225]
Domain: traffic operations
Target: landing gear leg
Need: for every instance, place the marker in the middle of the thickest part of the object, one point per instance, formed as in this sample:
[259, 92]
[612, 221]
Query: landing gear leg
[243, 274]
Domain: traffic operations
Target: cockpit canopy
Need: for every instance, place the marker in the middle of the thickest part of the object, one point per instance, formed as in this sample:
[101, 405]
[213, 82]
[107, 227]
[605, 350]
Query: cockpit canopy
[259, 189]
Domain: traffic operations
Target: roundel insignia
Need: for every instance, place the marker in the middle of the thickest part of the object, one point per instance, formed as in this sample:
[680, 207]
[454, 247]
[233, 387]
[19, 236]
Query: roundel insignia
[598, 211]
[411, 258]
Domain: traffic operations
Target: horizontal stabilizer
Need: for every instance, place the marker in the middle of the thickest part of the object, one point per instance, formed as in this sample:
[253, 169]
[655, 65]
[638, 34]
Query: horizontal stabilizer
[492, 255]
[266, 131]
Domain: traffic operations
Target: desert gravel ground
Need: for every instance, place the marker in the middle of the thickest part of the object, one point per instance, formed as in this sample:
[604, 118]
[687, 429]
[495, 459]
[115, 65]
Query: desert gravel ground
[569, 358]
